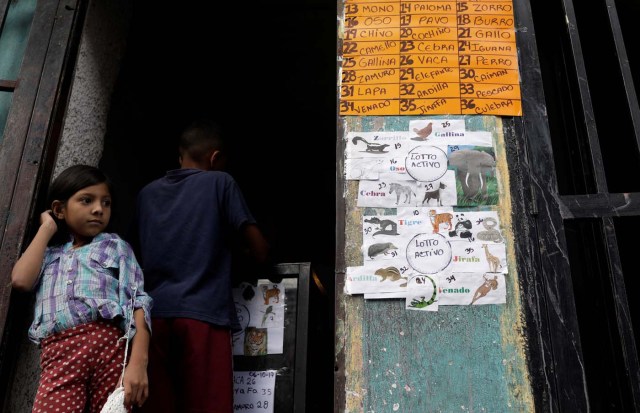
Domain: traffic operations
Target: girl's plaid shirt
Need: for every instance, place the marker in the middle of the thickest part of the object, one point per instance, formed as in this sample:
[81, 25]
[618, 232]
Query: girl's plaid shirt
[95, 281]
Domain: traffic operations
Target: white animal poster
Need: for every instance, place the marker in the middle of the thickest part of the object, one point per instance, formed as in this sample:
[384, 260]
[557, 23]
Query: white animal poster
[260, 311]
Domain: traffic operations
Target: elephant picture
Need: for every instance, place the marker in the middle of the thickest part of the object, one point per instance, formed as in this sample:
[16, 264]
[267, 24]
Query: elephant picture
[473, 167]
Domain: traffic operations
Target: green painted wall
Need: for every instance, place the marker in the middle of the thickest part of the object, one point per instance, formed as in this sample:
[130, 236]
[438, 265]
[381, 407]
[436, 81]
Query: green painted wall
[13, 41]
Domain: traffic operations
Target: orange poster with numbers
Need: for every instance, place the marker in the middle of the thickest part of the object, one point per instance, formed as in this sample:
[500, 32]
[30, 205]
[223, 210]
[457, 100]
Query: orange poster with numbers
[429, 58]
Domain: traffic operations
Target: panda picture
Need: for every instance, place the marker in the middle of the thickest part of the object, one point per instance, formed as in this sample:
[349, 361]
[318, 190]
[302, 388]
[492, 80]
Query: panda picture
[462, 227]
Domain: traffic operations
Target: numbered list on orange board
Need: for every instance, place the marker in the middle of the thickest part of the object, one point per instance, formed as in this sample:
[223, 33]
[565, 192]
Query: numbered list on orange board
[429, 58]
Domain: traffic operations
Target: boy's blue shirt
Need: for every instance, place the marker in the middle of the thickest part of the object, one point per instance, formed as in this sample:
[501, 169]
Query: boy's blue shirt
[184, 223]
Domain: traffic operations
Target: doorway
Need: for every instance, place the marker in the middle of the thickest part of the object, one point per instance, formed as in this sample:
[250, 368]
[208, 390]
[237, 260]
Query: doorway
[266, 72]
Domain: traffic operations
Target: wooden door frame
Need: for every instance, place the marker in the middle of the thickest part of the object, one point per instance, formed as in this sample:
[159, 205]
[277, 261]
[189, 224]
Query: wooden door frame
[29, 147]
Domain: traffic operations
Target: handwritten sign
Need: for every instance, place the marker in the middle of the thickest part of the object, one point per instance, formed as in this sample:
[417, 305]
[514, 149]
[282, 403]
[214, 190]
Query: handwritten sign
[417, 57]
[426, 163]
[253, 391]
[429, 253]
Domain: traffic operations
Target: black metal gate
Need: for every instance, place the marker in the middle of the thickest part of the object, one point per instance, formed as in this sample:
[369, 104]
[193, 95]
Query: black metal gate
[577, 162]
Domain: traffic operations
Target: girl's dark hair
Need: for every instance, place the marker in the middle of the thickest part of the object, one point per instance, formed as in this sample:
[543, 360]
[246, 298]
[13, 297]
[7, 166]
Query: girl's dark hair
[67, 183]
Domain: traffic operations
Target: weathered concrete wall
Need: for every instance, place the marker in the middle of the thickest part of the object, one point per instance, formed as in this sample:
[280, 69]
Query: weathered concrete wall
[101, 51]
[457, 359]
[102, 46]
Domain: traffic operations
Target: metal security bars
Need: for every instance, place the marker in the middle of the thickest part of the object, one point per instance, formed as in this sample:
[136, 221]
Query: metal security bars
[577, 160]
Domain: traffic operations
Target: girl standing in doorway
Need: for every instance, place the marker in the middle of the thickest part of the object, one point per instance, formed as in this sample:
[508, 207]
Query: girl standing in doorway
[87, 284]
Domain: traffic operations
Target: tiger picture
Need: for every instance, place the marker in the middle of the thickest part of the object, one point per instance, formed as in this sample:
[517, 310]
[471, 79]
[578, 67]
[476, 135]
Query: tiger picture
[255, 341]
[438, 219]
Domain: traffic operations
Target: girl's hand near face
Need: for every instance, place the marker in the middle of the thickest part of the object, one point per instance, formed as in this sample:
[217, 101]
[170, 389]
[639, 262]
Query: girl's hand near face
[26, 270]
[48, 221]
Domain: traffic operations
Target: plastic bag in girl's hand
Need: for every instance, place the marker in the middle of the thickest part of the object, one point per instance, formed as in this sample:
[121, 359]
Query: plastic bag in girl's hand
[115, 402]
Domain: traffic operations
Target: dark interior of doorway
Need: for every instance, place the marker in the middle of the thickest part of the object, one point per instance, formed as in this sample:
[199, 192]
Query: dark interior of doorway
[266, 72]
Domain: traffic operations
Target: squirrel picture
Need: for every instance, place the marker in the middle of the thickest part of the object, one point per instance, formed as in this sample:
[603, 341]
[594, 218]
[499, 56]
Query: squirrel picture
[371, 147]
[391, 274]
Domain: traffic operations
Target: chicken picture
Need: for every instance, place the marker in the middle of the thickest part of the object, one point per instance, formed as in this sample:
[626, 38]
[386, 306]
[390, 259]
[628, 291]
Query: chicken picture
[423, 133]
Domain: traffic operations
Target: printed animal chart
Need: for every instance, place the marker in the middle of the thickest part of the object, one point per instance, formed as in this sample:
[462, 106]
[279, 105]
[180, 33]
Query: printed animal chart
[446, 166]
[439, 241]
[260, 312]
[472, 289]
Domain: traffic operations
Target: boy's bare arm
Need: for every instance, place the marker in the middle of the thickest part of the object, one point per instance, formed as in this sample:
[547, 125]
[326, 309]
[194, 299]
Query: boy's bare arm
[256, 242]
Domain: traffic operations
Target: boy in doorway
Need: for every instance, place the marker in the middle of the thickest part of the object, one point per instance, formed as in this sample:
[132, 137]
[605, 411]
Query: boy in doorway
[184, 227]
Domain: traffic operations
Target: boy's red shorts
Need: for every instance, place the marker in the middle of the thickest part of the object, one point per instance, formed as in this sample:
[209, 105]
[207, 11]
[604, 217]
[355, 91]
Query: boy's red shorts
[190, 367]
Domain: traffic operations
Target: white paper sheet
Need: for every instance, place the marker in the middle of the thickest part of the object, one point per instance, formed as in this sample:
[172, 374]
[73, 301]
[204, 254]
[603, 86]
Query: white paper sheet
[260, 310]
[253, 391]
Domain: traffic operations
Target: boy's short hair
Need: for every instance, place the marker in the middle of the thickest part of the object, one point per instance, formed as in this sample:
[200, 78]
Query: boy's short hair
[200, 138]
